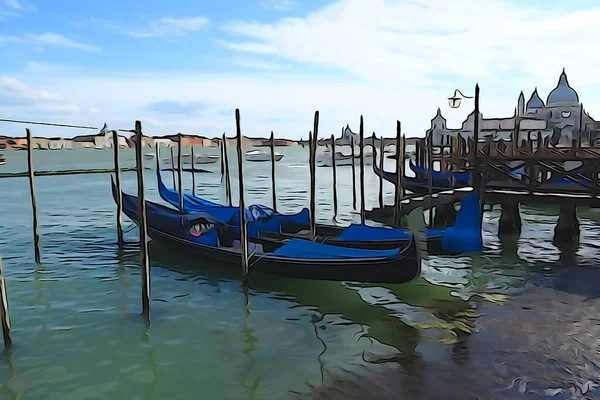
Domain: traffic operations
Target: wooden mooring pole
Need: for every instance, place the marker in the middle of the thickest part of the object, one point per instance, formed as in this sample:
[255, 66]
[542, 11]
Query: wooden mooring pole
[273, 186]
[429, 146]
[4, 310]
[193, 171]
[173, 168]
[313, 186]
[179, 170]
[243, 226]
[353, 174]
[334, 171]
[381, 159]
[115, 137]
[227, 177]
[222, 161]
[362, 171]
[399, 191]
[143, 224]
[36, 232]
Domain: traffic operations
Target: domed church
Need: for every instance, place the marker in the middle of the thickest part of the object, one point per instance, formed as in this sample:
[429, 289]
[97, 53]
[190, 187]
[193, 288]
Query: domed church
[561, 119]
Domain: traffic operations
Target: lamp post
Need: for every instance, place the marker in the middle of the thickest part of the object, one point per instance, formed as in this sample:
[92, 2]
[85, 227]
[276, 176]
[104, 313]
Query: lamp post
[454, 102]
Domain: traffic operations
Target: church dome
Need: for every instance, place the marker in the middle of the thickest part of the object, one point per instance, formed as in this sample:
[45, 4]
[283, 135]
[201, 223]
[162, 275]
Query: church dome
[534, 101]
[563, 93]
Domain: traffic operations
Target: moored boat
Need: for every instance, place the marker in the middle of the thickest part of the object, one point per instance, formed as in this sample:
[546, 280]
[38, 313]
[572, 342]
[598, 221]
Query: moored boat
[2, 159]
[274, 227]
[261, 156]
[324, 160]
[203, 235]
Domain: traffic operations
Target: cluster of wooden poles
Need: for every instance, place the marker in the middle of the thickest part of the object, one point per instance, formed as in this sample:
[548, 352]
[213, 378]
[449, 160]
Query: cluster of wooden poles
[143, 228]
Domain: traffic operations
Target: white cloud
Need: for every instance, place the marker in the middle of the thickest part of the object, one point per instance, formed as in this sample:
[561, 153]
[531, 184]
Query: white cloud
[172, 27]
[251, 47]
[278, 5]
[16, 7]
[403, 45]
[9, 39]
[257, 64]
[14, 4]
[57, 40]
[386, 60]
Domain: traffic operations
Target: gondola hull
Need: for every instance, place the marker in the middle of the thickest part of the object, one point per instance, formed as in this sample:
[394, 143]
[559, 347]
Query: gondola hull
[305, 259]
[291, 229]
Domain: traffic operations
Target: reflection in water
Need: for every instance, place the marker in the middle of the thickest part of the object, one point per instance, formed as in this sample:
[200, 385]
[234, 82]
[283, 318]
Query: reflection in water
[467, 327]
[8, 374]
[145, 340]
[249, 340]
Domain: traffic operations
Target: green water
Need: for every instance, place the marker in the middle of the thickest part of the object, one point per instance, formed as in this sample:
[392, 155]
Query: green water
[75, 318]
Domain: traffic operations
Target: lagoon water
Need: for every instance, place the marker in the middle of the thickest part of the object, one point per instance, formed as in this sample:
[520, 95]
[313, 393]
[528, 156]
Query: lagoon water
[77, 332]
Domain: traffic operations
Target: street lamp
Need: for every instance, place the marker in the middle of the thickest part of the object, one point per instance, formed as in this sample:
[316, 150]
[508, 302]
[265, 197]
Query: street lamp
[454, 101]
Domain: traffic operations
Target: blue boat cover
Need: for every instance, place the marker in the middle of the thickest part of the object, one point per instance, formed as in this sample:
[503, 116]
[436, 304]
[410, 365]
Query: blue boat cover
[364, 233]
[172, 222]
[192, 204]
[458, 177]
[268, 219]
[305, 249]
[260, 212]
[465, 235]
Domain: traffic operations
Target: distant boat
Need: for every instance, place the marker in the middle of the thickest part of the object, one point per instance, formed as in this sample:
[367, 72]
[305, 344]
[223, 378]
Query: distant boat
[198, 158]
[150, 156]
[206, 159]
[258, 156]
[2, 159]
[324, 160]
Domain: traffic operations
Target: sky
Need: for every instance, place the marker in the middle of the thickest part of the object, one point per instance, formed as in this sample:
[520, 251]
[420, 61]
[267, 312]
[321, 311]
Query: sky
[185, 66]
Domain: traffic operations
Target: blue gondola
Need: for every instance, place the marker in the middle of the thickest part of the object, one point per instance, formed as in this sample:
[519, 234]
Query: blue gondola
[203, 235]
[273, 227]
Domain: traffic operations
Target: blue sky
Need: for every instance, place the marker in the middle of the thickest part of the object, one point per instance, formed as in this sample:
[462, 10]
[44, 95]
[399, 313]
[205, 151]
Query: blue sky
[184, 66]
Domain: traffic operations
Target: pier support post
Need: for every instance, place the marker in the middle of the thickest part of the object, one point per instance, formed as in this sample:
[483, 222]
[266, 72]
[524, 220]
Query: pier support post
[353, 174]
[143, 225]
[510, 219]
[243, 226]
[445, 215]
[30, 170]
[115, 137]
[567, 227]
[4, 310]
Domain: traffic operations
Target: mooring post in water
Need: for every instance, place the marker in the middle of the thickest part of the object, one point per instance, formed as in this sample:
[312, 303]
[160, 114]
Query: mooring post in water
[227, 177]
[115, 137]
[143, 225]
[429, 147]
[399, 191]
[362, 171]
[4, 310]
[566, 231]
[313, 177]
[173, 168]
[335, 199]
[381, 159]
[221, 143]
[353, 174]
[273, 187]
[193, 172]
[510, 219]
[36, 232]
[157, 155]
[312, 191]
[243, 226]
[180, 169]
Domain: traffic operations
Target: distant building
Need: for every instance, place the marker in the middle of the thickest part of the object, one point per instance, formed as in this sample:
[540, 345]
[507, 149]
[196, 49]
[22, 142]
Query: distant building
[102, 140]
[561, 119]
[60, 143]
